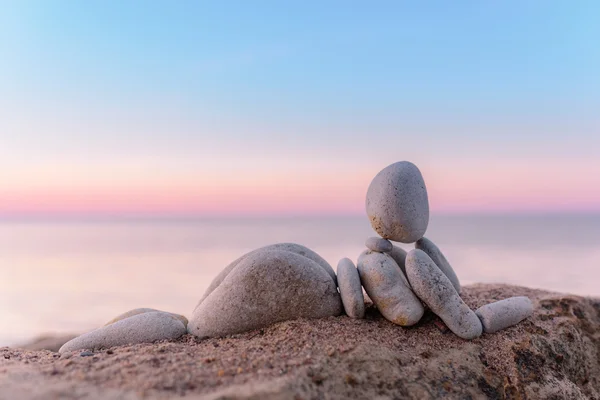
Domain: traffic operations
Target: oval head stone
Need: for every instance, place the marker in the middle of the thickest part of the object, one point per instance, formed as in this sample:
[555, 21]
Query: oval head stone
[266, 287]
[397, 203]
[386, 285]
[435, 289]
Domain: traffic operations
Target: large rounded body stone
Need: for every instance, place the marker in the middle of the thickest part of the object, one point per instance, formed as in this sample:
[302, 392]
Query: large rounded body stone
[439, 259]
[378, 244]
[291, 247]
[388, 288]
[266, 287]
[397, 203]
[141, 328]
[436, 290]
[138, 311]
[504, 313]
[350, 289]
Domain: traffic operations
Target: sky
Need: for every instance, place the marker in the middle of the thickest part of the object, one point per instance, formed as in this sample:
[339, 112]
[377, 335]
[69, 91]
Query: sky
[162, 108]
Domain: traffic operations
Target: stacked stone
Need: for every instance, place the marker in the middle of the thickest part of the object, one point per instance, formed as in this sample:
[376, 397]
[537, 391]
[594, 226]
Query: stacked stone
[286, 281]
[397, 282]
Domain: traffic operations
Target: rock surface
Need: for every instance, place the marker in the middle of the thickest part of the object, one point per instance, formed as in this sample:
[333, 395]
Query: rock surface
[378, 244]
[138, 311]
[265, 287]
[555, 354]
[142, 328]
[436, 290]
[292, 247]
[439, 259]
[504, 313]
[350, 288]
[388, 288]
[397, 203]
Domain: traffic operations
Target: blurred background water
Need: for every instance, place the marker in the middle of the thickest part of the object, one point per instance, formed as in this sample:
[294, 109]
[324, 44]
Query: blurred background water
[74, 276]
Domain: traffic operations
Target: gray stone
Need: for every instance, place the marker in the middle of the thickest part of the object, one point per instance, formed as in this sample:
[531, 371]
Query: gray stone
[439, 259]
[399, 255]
[142, 328]
[379, 245]
[138, 311]
[397, 203]
[504, 313]
[266, 287]
[436, 290]
[387, 287]
[350, 289]
[292, 247]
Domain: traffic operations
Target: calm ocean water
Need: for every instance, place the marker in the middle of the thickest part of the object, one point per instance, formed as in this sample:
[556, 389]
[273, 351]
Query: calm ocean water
[72, 277]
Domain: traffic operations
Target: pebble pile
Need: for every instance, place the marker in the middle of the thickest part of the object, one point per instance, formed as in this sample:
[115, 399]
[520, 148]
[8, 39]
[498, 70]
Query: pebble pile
[399, 283]
[287, 281]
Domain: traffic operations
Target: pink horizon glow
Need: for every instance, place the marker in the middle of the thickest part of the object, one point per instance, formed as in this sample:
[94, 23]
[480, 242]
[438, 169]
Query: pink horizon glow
[286, 202]
[452, 187]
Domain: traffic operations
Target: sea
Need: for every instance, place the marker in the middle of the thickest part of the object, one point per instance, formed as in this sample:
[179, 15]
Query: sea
[73, 276]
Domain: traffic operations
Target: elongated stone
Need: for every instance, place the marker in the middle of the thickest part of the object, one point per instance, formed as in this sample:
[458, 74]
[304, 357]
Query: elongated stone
[266, 287]
[399, 255]
[138, 311]
[388, 288]
[378, 244]
[397, 203]
[141, 328]
[350, 289]
[439, 259]
[504, 313]
[435, 289]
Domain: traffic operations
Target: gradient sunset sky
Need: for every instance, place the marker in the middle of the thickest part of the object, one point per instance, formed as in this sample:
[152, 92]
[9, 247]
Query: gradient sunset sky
[171, 108]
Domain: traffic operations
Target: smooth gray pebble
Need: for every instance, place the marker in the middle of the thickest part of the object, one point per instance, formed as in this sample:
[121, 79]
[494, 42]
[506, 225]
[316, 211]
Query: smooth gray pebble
[439, 259]
[504, 313]
[265, 287]
[350, 289]
[435, 289]
[141, 328]
[378, 244]
[388, 288]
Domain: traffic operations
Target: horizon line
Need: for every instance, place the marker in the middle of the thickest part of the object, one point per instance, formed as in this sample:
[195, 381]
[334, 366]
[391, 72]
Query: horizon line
[130, 217]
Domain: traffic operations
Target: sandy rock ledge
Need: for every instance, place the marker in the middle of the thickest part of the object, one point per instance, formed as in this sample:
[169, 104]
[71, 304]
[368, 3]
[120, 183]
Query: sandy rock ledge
[555, 354]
